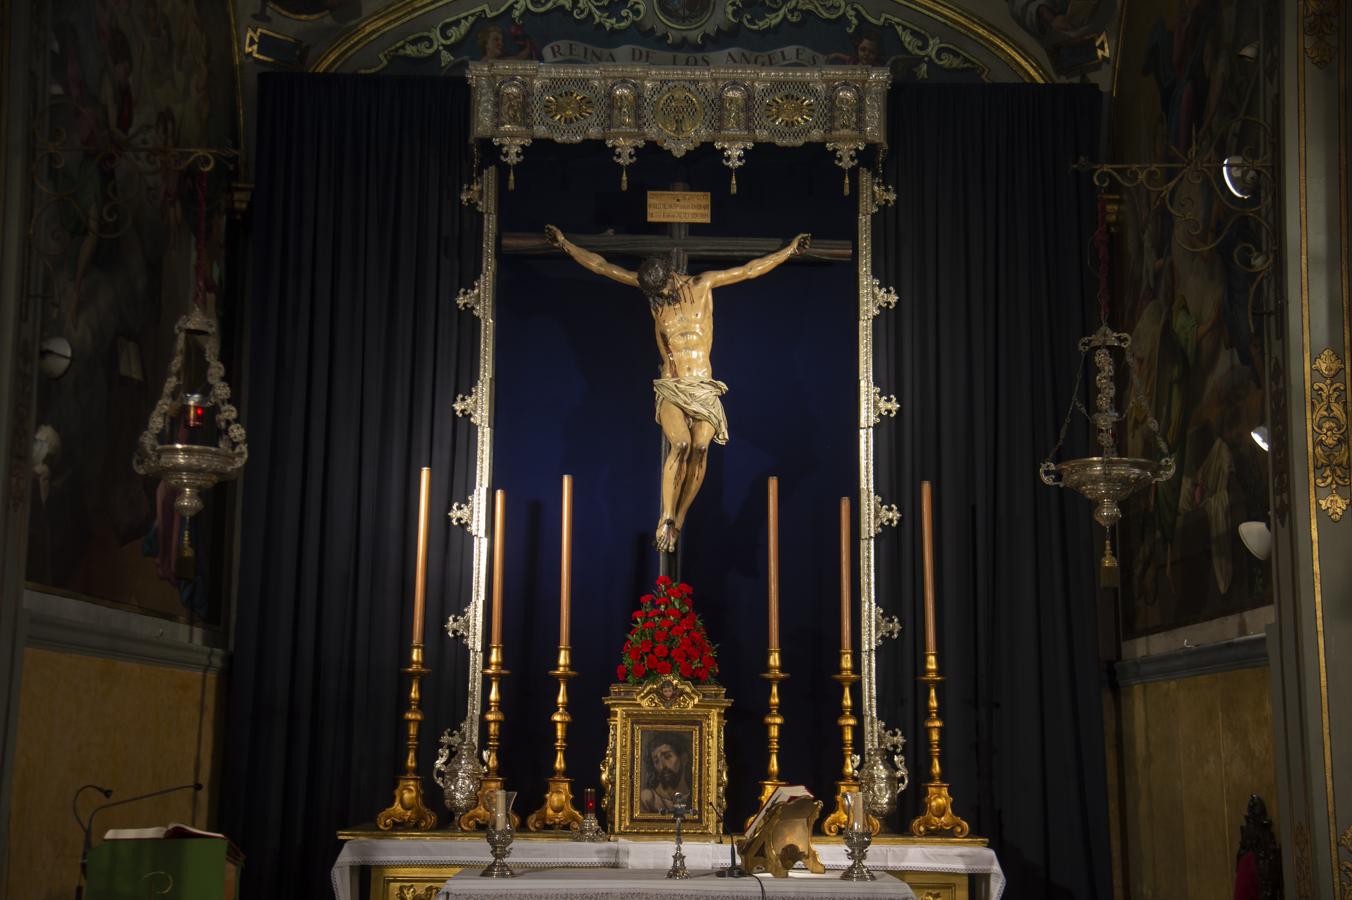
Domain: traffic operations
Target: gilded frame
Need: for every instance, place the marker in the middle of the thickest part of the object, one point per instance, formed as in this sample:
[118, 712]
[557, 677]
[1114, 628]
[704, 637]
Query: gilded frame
[873, 512]
[638, 717]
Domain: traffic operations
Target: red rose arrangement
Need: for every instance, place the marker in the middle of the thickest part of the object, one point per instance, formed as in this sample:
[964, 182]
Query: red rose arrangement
[667, 638]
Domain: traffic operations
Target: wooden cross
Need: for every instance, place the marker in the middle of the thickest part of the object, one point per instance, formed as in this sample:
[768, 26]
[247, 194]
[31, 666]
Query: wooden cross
[678, 244]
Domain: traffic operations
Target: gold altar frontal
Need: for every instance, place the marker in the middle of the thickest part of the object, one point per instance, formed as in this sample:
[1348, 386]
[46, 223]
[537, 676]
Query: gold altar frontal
[669, 717]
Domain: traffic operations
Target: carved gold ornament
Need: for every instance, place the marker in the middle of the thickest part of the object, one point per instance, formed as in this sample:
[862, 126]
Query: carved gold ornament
[1320, 24]
[677, 112]
[567, 107]
[790, 110]
[1344, 867]
[1329, 433]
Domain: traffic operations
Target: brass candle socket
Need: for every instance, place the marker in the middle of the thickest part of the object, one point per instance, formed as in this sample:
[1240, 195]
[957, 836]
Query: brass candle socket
[773, 720]
[838, 820]
[938, 819]
[408, 809]
[557, 811]
[482, 813]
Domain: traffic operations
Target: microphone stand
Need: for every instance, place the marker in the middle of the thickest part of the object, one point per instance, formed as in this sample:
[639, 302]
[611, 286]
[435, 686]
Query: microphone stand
[733, 870]
[88, 824]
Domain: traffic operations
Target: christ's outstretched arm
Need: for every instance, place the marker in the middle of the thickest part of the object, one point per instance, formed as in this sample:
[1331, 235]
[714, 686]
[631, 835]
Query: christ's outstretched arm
[757, 267]
[589, 260]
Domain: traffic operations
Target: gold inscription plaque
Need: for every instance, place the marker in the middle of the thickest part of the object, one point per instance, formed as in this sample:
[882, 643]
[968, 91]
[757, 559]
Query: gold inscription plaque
[679, 206]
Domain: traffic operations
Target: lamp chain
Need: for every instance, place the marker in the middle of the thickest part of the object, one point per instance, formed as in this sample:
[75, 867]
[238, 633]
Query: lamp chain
[1101, 245]
[200, 296]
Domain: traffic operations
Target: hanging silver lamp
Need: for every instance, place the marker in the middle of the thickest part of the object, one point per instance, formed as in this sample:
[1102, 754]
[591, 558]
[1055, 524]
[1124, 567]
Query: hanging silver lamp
[1107, 479]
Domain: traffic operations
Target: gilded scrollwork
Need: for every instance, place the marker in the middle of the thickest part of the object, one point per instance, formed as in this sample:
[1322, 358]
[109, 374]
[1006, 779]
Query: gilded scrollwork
[1329, 437]
[882, 514]
[1345, 867]
[764, 15]
[462, 514]
[471, 298]
[610, 15]
[471, 404]
[882, 298]
[1319, 21]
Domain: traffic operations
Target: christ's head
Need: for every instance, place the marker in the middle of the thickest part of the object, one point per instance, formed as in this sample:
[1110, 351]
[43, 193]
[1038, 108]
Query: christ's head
[670, 755]
[656, 278]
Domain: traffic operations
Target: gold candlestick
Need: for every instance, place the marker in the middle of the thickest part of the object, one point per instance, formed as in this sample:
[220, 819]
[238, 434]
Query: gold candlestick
[482, 813]
[408, 810]
[773, 720]
[849, 780]
[557, 810]
[938, 819]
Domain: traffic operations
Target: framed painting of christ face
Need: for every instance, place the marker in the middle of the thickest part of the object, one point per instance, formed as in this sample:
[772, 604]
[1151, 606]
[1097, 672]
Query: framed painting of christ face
[666, 767]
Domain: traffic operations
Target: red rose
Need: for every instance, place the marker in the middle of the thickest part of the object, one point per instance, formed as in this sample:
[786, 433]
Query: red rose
[654, 613]
[702, 673]
[661, 650]
[679, 629]
[652, 661]
[638, 614]
[664, 668]
[635, 654]
[646, 598]
[660, 636]
[690, 619]
[687, 670]
[639, 671]
[683, 588]
[678, 654]
[646, 645]
[663, 580]
[707, 661]
[619, 673]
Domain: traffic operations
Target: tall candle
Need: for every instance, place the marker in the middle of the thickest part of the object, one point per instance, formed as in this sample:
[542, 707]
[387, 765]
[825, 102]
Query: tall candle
[499, 515]
[500, 810]
[856, 804]
[420, 572]
[845, 574]
[773, 513]
[566, 564]
[927, 538]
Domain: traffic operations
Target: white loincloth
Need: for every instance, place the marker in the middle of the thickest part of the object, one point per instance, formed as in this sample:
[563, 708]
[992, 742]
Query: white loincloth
[697, 398]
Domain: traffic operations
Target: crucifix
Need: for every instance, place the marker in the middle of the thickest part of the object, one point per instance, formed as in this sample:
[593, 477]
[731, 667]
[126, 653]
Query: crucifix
[688, 405]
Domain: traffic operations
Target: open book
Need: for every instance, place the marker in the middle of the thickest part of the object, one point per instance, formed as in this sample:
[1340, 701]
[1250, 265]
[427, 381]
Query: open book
[172, 830]
[782, 795]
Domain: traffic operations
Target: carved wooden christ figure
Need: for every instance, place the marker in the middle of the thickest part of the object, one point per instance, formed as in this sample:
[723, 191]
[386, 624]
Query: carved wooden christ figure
[688, 406]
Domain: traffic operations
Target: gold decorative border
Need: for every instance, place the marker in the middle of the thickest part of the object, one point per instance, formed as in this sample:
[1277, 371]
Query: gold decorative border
[1020, 61]
[1329, 433]
[479, 300]
[1320, 25]
[1302, 163]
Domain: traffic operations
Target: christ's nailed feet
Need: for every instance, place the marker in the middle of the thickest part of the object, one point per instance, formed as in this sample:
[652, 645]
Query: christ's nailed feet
[667, 536]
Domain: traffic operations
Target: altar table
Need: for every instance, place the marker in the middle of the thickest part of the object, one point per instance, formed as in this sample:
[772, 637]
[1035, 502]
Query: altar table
[654, 885]
[408, 865]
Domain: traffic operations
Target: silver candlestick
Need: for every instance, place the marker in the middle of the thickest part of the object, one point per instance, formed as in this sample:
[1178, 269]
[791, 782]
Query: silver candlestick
[500, 843]
[679, 811]
[856, 846]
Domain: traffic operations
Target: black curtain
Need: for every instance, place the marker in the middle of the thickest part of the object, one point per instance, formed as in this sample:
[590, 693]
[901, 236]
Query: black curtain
[987, 249]
[356, 354]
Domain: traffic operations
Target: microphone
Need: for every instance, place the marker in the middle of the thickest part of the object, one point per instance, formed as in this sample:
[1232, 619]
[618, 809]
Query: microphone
[88, 825]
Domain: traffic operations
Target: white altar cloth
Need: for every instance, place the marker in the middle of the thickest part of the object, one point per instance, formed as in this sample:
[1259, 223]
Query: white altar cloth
[530, 853]
[644, 884]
